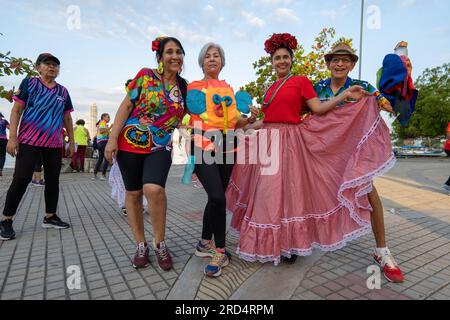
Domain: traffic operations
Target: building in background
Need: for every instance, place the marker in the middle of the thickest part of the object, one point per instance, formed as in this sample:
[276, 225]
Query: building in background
[93, 117]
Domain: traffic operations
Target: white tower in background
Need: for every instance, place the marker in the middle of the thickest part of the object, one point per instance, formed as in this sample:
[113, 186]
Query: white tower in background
[93, 116]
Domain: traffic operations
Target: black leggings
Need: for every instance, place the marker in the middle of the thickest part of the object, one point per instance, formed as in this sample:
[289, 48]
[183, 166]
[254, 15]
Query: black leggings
[101, 162]
[23, 173]
[38, 165]
[3, 143]
[448, 182]
[215, 178]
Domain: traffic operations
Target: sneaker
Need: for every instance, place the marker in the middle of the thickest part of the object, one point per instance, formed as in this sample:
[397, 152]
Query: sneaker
[74, 171]
[124, 211]
[94, 178]
[391, 270]
[205, 250]
[218, 261]
[54, 222]
[6, 230]
[141, 259]
[163, 256]
[103, 178]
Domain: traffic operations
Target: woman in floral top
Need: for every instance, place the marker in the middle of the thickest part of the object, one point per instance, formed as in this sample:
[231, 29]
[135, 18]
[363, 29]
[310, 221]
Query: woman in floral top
[141, 141]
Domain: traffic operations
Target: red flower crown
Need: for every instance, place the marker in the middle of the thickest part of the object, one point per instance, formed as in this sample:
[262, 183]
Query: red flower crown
[156, 43]
[278, 40]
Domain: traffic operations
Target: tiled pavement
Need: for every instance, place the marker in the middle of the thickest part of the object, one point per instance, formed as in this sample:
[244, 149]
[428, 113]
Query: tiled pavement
[34, 266]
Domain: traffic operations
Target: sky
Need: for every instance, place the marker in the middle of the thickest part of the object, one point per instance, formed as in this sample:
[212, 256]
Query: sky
[111, 40]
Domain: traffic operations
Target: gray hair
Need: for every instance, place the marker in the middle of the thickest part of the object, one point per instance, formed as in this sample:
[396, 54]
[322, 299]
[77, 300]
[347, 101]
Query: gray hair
[206, 47]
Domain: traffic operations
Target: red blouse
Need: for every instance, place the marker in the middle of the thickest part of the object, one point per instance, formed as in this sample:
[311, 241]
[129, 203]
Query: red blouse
[290, 100]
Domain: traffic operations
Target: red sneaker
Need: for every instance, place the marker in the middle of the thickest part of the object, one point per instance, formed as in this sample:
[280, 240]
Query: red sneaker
[391, 270]
[163, 256]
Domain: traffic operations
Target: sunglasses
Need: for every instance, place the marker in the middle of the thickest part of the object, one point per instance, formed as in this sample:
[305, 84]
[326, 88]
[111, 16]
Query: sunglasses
[345, 60]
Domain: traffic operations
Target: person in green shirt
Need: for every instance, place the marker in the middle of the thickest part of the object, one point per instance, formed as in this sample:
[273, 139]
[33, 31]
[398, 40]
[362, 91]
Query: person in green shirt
[82, 138]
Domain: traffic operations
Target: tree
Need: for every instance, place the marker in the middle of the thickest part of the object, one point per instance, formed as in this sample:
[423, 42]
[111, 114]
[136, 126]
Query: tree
[311, 65]
[14, 66]
[432, 112]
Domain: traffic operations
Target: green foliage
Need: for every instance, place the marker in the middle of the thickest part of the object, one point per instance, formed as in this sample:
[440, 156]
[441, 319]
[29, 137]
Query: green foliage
[10, 66]
[311, 65]
[432, 113]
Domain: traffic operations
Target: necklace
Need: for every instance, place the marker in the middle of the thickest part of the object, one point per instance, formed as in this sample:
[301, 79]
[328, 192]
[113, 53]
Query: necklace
[167, 93]
[266, 104]
[180, 109]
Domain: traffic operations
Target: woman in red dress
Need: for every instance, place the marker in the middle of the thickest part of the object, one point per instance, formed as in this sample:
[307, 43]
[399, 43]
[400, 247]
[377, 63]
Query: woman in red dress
[308, 188]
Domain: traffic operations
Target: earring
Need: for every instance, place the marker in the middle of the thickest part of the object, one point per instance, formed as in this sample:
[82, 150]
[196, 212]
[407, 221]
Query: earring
[161, 68]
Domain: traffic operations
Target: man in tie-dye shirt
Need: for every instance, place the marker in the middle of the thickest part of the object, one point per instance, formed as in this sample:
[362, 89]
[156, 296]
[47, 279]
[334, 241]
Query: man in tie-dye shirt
[42, 106]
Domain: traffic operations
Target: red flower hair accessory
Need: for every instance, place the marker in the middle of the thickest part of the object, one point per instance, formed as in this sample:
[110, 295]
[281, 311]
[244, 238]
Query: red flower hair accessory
[278, 40]
[156, 43]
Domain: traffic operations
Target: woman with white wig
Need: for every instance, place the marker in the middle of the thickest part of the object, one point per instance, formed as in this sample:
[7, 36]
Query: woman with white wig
[215, 112]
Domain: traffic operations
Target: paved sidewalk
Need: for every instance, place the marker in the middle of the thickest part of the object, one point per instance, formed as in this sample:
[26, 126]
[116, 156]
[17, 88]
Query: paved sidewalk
[34, 266]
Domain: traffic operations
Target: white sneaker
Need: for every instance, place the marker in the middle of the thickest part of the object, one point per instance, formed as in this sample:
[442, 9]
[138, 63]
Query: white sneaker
[103, 178]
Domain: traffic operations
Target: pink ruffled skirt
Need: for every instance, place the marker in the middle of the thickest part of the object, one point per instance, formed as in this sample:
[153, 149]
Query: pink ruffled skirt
[299, 187]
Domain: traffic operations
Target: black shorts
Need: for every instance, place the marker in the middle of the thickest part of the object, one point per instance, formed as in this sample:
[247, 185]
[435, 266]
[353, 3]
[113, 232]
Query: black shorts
[141, 169]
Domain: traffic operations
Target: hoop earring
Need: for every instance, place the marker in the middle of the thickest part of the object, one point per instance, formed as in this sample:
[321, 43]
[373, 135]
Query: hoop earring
[160, 68]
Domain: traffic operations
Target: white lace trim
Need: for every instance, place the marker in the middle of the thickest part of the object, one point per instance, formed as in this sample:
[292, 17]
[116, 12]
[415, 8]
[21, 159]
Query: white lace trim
[304, 252]
[366, 190]
[367, 179]
[370, 132]
[238, 204]
[343, 201]
[389, 164]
